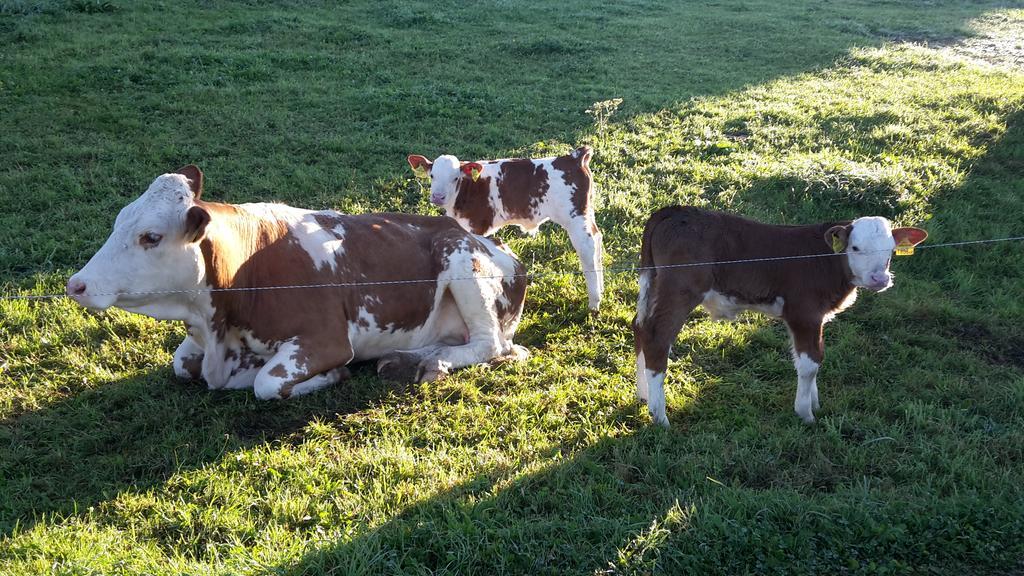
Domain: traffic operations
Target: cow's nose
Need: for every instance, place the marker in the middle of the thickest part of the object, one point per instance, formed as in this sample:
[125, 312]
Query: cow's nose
[880, 278]
[75, 287]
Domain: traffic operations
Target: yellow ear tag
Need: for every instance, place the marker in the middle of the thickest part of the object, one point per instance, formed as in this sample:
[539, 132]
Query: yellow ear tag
[474, 174]
[420, 171]
[904, 248]
[837, 245]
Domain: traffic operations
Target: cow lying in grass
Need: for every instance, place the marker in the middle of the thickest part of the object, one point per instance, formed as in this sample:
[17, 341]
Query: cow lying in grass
[169, 246]
[804, 292]
[487, 195]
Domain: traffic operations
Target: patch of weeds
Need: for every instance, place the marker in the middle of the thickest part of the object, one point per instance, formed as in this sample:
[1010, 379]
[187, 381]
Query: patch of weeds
[91, 6]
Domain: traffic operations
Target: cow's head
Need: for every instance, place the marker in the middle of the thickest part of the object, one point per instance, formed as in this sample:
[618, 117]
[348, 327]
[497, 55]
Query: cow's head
[868, 244]
[444, 172]
[154, 247]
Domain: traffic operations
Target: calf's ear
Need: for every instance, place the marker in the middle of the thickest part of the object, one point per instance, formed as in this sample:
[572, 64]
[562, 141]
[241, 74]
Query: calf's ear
[195, 178]
[837, 237]
[908, 236]
[472, 169]
[196, 220]
[420, 165]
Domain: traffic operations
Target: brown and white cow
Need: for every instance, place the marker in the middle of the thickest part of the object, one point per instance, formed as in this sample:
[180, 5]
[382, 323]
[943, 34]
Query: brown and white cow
[804, 292]
[486, 195]
[169, 247]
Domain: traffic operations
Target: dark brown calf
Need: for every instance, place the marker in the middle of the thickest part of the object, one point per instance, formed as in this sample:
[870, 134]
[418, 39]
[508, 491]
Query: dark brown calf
[805, 292]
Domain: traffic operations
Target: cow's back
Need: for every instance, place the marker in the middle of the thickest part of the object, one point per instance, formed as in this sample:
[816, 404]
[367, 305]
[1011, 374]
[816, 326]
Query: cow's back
[792, 262]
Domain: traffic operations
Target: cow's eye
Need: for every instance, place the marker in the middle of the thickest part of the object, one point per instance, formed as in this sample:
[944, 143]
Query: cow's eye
[855, 249]
[150, 240]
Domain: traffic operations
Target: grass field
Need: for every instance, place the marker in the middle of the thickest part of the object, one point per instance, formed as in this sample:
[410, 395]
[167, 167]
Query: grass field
[789, 111]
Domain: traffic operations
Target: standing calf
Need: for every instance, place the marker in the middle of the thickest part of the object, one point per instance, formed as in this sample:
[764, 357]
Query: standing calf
[486, 195]
[804, 292]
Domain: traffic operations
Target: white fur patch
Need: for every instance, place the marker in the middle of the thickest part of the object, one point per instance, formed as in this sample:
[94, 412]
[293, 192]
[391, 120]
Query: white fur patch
[722, 307]
[806, 388]
[656, 396]
[643, 300]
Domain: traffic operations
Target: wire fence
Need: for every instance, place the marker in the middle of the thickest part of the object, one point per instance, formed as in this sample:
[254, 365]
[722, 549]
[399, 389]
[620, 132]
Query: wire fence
[528, 276]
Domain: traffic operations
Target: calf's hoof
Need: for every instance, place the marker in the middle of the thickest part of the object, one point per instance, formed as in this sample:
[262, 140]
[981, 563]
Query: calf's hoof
[399, 367]
[660, 417]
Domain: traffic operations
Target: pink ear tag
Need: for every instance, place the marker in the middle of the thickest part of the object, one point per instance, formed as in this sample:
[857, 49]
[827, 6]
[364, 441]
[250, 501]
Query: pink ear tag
[905, 248]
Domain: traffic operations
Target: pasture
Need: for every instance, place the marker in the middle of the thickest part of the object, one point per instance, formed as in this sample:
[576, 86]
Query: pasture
[788, 111]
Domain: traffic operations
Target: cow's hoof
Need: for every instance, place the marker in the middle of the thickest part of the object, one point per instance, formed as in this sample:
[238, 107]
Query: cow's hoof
[516, 353]
[431, 370]
[400, 367]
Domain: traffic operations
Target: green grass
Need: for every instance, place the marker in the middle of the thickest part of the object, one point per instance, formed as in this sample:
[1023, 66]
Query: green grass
[786, 111]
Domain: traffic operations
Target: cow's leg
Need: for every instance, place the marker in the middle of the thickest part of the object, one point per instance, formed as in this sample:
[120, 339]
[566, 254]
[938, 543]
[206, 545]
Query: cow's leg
[586, 239]
[291, 373]
[486, 341]
[808, 352]
[661, 313]
[188, 359]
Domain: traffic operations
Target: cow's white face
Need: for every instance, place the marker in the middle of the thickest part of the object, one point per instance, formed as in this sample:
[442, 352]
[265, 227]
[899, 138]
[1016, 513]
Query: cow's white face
[869, 250]
[869, 243]
[149, 250]
[444, 179]
[444, 173]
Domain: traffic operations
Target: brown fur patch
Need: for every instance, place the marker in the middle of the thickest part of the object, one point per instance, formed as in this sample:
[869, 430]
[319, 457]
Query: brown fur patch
[473, 203]
[575, 169]
[522, 185]
[193, 365]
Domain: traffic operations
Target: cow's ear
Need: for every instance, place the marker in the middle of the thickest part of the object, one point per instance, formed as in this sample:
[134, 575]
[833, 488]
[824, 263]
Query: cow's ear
[420, 165]
[195, 178]
[196, 220]
[472, 169]
[908, 236]
[837, 237]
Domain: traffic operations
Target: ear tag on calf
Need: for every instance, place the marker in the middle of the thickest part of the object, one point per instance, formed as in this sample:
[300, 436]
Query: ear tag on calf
[905, 248]
[837, 244]
[420, 171]
[474, 173]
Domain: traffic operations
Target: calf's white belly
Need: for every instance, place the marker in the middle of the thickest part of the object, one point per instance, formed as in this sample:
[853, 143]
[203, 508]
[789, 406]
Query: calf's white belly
[722, 307]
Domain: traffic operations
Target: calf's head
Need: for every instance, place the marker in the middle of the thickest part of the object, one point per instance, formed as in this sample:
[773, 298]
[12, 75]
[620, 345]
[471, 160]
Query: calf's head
[445, 173]
[868, 244]
[154, 247]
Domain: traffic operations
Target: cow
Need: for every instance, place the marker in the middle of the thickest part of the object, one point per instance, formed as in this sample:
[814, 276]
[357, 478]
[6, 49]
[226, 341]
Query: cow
[486, 195]
[416, 292]
[817, 277]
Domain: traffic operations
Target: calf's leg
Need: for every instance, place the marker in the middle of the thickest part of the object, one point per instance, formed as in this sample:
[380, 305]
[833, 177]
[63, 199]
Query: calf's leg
[661, 312]
[808, 352]
[586, 239]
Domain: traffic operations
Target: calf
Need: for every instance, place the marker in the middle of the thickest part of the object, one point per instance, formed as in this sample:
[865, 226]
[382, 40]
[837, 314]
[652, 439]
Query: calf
[169, 248]
[486, 195]
[805, 292]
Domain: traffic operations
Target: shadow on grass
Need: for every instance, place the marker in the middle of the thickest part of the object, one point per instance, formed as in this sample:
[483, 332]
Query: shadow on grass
[636, 504]
[137, 432]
